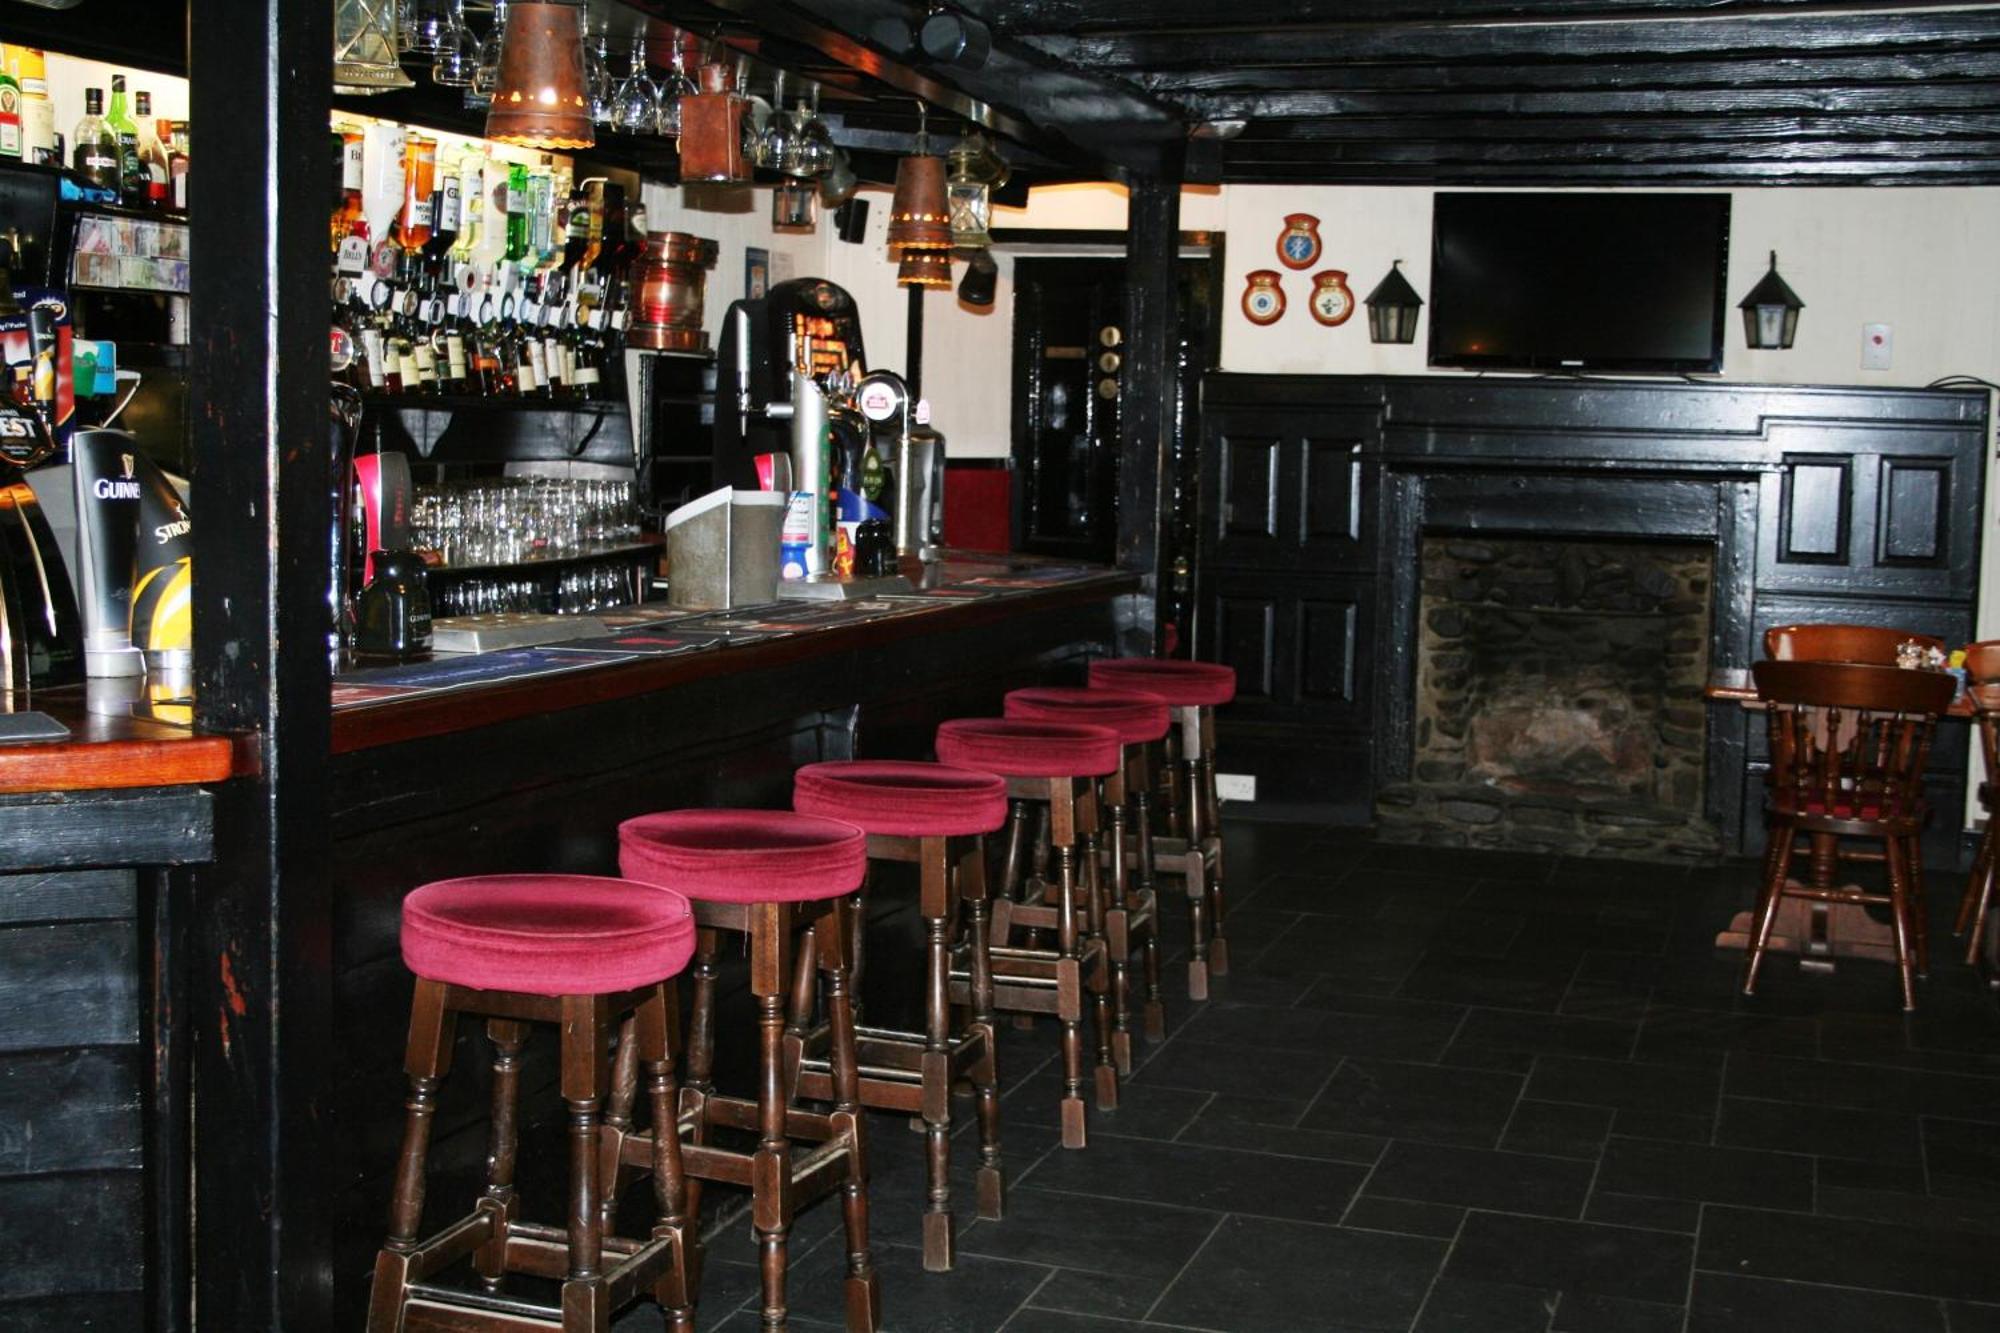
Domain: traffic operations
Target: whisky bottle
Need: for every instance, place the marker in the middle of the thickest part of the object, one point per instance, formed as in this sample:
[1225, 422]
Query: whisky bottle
[131, 172]
[152, 154]
[96, 152]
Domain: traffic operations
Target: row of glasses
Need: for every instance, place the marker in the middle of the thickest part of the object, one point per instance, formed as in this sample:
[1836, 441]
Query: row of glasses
[638, 104]
[510, 520]
[578, 591]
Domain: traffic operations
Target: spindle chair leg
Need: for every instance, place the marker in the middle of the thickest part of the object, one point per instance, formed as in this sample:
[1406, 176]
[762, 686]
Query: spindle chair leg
[1978, 897]
[508, 1036]
[653, 1029]
[990, 1187]
[864, 1307]
[700, 1084]
[771, 1169]
[1155, 1011]
[425, 1061]
[1069, 983]
[1899, 910]
[1767, 909]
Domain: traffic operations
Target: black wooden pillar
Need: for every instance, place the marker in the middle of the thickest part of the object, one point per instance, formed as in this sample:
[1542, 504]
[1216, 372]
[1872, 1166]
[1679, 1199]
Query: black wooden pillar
[261, 986]
[1147, 385]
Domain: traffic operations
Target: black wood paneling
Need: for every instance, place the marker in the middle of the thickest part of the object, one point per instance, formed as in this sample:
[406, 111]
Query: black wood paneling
[1822, 503]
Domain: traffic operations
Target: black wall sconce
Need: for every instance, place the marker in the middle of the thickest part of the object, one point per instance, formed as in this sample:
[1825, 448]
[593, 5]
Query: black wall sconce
[1771, 312]
[1393, 307]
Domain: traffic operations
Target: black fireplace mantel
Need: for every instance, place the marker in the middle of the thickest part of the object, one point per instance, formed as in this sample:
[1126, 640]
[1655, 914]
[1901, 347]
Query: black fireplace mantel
[1824, 503]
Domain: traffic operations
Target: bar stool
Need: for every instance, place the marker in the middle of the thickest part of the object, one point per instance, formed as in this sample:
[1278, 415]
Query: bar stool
[1193, 849]
[767, 875]
[576, 951]
[1131, 914]
[1982, 668]
[1046, 761]
[934, 817]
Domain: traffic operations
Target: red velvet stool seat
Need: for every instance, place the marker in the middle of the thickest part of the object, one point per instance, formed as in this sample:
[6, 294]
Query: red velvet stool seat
[935, 817]
[1056, 763]
[784, 881]
[576, 951]
[1192, 846]
[1131, 914]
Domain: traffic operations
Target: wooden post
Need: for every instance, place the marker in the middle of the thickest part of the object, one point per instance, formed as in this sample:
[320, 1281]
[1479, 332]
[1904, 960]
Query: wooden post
[1146, 388]
[260, 955]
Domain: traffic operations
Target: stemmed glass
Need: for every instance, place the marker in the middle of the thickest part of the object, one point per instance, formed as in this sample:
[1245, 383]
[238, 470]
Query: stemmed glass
[458, 57]
[487, 72]
[812, 151]
[597, 73]
[635, 107]
[778, 142]
[679, 85]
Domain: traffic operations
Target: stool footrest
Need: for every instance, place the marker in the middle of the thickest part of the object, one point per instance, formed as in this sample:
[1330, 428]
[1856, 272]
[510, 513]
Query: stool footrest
[892, 1065]
[537, 1251]
[446, 1247]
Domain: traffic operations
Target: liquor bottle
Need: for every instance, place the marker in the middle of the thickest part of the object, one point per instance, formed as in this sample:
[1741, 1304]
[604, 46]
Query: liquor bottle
[38, 111]
[413, 224]
[177, 168]
[349, 213]
[152, 154]
[517, 212]
[448, 346]
[131, 172]
[576, 239]
[374, 342]
[10, 105]
[96, 159]
[588, 378]
[447, 213]
[472, 204]
[495, 378]
[541, 216]
[556, 354]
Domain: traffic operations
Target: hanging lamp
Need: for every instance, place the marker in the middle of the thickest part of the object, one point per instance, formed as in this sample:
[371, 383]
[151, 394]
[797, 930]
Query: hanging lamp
[919, 218]
[541, 97]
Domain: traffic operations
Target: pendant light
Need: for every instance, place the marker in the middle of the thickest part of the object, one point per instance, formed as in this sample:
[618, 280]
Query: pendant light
[919, 218]
[541, 97]
[1393, 307]
[924, 268]
[1771, 312]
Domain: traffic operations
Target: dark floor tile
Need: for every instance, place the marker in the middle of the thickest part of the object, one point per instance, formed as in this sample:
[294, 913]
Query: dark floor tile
[1153, 1111]
[1205, 1066]
[1031, 1319]
[1956, 1096]
[1706, 1175]
[1964, 1158]
[1255, 1276]
[1482, 1178]
[1845, 1173]
[1224, 1179]
[1828, 1131]
[1502, 1039]
[1457, 1305]
[1650, 1213]
[980, 1294]
[1412, 1101]
[1140, 1245]
[1624, 1085]
[1727, 1303]
[1557, 1131]
[1349, 894]
[1668, 1125]
[1322, 1032]
[1260, 1125]
[1365, 955]
[1586, 1312]
[1703, 1036]
[1507, 983]
[1908, 1208]
[1327, 993]
[1922, 1261]
[1404, 1217]
[1965, 1317]
[1458, 863]
[1574, 1257]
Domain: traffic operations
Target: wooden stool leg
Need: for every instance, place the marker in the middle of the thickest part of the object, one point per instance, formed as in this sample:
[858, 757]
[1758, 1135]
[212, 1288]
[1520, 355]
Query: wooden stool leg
[1197, 891]
[771, 1171]
[1142, 814]
[618, 1119]
[1100, 982]
[425, 1060]
[1767, 905]
[1118, 930]
[1899, 912]
[583, 1298]
[1920, 912]
[1170, 785]
[701, 1052]
[1211, 821]
[508, 1036]
[1012, 867]
[1069, 993]
[1978, 897]
[986, 1073]
[935, 905]
[653, 1029]
[864, 1302]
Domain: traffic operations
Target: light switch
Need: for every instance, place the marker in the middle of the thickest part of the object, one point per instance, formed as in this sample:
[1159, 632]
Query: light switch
[1876, 346]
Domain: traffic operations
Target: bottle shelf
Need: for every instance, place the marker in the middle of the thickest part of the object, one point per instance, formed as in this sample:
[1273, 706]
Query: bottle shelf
[424, 402]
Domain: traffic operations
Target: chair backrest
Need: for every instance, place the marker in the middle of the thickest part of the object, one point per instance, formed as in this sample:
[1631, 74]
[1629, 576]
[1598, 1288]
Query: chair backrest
[1851, 737]
[1982, 662]
[1982, 667]
[1840, 643]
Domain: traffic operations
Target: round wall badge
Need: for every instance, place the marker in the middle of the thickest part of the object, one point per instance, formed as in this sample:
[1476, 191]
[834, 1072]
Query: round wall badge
[1331, 301]
[1298, 243]
[1264, 299]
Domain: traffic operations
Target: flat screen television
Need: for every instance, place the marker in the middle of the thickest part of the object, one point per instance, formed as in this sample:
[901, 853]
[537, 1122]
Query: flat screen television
[1612, 282]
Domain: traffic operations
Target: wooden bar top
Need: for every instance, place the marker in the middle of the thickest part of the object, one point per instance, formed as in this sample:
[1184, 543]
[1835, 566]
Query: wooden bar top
[110, 747]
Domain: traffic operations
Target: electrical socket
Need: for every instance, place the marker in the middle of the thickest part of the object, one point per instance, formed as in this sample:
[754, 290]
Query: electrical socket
[1236, 786]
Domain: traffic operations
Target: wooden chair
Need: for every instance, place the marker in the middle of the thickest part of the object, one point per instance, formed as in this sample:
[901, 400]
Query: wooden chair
[1848, 746]
[1871, 644]
[1982, 667]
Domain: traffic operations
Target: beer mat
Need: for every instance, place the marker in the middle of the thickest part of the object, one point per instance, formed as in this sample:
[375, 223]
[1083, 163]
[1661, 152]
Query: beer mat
[644, 617]
[347, 695]
[1001, 583]
[645, 641]
[957, 592]
[462, 670]
[806, 615]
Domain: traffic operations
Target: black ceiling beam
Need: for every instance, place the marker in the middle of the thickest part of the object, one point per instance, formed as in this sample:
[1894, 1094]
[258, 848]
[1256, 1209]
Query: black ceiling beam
[1306, 134]
[1337, 45]
[1280, 108]
[1597, 150]
[1023, 17]
[1068, 115]
[1942, 172]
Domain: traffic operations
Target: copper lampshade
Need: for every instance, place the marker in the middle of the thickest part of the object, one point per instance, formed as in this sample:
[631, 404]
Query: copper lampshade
[919, 218]
[540, 97]
[924, 268]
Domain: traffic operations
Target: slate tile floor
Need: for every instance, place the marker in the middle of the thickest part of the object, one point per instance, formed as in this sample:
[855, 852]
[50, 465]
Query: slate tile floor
[1452, 1092]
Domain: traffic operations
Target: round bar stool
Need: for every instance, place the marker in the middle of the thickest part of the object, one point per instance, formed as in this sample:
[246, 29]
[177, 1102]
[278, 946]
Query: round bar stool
[1192, 848]
[934, 817]
[768, 875]
[1131, 914]
[577, 951]
[1052, 762]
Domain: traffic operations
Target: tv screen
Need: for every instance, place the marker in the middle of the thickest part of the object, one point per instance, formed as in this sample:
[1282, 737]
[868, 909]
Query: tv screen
[1579, 281]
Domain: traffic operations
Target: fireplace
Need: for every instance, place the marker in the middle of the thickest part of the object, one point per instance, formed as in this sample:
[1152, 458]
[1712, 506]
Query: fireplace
[1558, 697]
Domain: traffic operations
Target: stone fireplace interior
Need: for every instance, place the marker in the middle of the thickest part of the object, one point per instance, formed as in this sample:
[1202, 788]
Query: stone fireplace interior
[1558, 697]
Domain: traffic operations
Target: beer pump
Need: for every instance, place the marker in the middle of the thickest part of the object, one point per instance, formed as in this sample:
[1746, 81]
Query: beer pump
[41, 639]
[918, 452]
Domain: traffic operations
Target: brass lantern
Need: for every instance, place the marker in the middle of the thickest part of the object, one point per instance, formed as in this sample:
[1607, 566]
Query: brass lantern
[364, 48]
[975, 170]
[541, 98]
[793, 205]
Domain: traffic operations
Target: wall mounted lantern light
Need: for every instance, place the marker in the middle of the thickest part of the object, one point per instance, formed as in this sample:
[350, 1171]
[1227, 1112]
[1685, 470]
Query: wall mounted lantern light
[1771, 312]
[1393, 307]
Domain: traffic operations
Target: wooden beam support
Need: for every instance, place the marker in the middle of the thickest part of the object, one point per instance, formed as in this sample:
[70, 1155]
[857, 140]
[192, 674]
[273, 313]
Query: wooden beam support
[1027, 17]
[261, 986]
[1939, 172]
[1269, 112]
[1307, 137]
[1147, 386]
